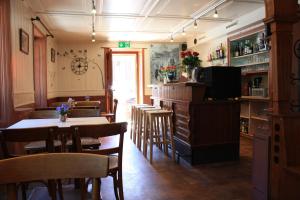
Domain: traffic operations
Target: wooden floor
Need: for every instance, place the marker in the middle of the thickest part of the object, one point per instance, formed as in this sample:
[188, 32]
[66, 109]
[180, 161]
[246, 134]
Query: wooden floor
[166, 180]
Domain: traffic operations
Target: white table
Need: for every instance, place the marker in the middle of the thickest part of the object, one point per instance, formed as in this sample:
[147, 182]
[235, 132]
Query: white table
[38, 123]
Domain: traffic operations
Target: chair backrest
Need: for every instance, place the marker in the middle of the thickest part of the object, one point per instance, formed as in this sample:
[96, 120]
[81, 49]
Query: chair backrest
[115, 110]
[86, 107]
[87, 103]
[46, 134]
[57, 104]
[84, 113]
[100, 131]
[45, 108]
[43, 114]
[52, 166]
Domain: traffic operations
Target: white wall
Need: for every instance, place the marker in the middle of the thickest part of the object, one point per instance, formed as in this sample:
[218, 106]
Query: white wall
[89, 84]
[204, 49]
[22, 64]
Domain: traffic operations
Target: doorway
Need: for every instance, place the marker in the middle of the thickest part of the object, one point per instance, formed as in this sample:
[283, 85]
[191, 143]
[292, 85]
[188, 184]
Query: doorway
[125, 82]
[40, 68]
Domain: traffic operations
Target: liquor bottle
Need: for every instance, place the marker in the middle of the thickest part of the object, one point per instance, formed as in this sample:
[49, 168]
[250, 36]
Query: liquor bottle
[218, 52]
[221, 51]
[237, 51]
[241, 49]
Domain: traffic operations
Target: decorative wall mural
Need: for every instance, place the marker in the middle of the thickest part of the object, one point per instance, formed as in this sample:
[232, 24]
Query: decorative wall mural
[162, 55]
[80, 62]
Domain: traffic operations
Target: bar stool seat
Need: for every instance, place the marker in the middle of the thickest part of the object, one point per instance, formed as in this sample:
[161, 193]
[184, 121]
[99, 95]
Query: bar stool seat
[157, 125]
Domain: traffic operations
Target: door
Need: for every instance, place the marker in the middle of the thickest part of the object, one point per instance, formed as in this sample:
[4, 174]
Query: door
[125, 82]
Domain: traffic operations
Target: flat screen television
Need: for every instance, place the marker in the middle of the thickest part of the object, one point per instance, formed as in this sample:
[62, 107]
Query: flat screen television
[222, 82]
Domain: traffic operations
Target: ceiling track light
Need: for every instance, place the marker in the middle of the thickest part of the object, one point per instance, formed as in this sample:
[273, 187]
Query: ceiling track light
[183, 32]
[195, 24]
[94, 8]
[216, 15]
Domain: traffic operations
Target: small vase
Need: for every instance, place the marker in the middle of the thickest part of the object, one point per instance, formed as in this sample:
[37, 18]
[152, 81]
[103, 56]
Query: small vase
[189, 71]
[171, 76]
[63, 118]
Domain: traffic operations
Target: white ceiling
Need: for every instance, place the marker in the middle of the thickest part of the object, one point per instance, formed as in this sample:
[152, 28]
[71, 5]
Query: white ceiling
[137, 20]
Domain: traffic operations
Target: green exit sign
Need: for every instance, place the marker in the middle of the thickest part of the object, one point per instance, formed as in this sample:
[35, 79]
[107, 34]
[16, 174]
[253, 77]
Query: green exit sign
[124, 44]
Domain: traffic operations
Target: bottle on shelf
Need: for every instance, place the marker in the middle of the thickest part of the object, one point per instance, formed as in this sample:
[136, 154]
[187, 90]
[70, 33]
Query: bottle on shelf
[222, 51]
[241, 49]
[250, 88]
[237, 50]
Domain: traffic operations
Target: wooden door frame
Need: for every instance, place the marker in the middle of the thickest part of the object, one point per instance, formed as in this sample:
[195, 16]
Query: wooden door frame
[136, 53]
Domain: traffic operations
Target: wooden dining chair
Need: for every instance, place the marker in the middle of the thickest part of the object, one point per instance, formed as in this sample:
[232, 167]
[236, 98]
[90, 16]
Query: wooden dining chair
[57, 104]
[115, 151]
[87, 142]
[111, 116]
[46, 134]
[84, 113]
[40, 146]
[53, 166]
[44, 114]
[87, 103]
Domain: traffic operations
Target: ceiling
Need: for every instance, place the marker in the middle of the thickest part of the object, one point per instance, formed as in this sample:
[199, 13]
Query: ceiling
[137, 20]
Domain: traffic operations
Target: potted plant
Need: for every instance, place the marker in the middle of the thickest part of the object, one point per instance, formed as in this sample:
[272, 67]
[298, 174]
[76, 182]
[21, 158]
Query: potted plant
[63, 112]
[190, 59]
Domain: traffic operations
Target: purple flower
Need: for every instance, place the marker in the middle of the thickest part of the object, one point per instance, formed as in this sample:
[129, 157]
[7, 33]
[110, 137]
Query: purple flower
[63, 109]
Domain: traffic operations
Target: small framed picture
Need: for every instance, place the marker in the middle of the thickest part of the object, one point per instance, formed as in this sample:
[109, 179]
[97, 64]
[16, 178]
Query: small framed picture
[24, 41]
[52, 55]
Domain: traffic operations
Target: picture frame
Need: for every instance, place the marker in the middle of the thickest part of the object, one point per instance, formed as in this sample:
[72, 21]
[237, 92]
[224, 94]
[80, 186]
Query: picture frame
[24, 41]
[52, 55]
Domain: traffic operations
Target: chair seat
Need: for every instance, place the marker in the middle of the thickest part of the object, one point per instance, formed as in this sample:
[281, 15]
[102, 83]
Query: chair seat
[113, 162]
[38, 145]
[87, 142]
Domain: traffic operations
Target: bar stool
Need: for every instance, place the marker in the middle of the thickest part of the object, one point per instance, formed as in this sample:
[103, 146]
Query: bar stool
[141, 112]
[157, 124]
[134, 120]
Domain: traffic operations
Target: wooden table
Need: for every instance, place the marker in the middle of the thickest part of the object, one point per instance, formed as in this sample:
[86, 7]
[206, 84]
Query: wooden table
[63, 126]
[37, 123]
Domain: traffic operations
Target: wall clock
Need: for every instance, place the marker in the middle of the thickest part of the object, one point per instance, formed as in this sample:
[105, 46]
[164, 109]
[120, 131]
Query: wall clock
[79, 65]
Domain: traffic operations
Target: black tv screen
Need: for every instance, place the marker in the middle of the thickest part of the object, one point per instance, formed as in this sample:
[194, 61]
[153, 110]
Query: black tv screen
[222, 82]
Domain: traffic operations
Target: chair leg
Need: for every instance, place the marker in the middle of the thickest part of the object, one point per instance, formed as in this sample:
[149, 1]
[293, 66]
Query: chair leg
[52, 189]
[83, 189]
[96, 189]
[120, 184]
[60, 190]
[172, 138]
[114, 176]
[24, 188]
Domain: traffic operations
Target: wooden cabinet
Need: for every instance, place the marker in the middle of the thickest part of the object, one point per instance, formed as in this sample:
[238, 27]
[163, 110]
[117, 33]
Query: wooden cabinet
[250, 51]
[205, 131]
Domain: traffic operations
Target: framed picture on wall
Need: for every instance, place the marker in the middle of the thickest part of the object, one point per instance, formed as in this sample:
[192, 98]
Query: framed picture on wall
[52, 55]
[24, 41]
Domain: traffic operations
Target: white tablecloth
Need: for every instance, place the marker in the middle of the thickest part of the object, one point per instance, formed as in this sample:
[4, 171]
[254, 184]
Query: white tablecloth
[35, 123]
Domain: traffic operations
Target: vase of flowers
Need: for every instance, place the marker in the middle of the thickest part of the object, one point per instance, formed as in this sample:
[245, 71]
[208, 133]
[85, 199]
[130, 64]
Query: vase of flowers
[190, 59]
[168, 73]
[63, 112]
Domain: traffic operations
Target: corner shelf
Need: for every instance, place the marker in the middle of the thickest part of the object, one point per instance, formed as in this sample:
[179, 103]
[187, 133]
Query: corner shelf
[251, 64]
[259, 118]
[255, 98]
[252, 54]
[255, 72]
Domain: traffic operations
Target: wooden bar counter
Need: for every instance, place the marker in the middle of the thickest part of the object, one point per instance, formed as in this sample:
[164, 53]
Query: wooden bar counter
[205, 130]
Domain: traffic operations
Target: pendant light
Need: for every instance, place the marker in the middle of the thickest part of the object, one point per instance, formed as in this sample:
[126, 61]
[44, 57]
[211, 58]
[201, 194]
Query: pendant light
[216, 15]
[195, 24]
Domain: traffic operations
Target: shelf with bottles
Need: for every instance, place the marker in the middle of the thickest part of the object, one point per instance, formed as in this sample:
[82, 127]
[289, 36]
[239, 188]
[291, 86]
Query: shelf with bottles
[218, 54]
[255, 44]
